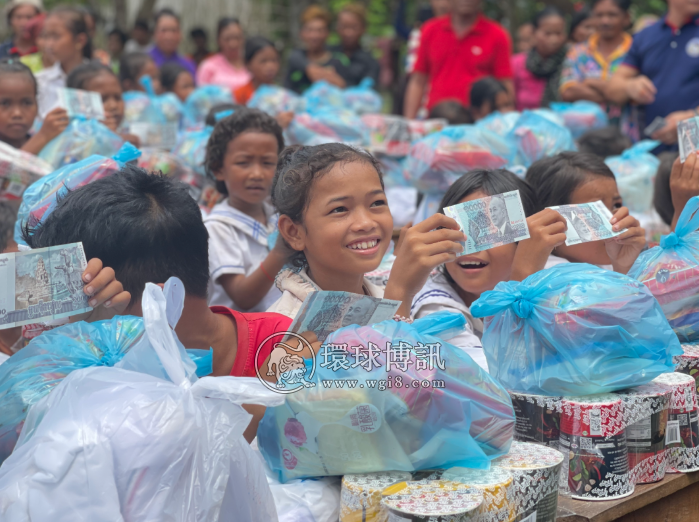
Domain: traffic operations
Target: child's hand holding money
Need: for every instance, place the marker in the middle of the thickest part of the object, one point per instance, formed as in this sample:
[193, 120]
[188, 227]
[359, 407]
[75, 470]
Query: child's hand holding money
[107, 295]
[684, 184]
[547, 230]
[55, 122]
[421, 249]
[625, 248]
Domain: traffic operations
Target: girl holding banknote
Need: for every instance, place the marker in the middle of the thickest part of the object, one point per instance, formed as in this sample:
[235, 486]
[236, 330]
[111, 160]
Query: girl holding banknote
[334, 215]
[579, 177]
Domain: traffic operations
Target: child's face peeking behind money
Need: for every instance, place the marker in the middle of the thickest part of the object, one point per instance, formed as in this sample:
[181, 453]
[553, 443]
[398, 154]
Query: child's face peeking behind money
[595, 188]
[481, 271]
[346, 226]
[17, 108]
[108, 86]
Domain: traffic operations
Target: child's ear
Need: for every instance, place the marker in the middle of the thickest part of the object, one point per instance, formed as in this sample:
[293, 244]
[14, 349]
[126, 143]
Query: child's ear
[293, 234]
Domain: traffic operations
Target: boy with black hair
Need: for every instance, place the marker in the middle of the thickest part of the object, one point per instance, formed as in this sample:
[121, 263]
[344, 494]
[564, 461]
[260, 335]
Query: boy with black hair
[148, 228]
[605, 142]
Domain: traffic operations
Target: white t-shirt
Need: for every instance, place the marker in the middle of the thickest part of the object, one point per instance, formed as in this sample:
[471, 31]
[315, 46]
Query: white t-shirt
[237, 245]
[438, 295]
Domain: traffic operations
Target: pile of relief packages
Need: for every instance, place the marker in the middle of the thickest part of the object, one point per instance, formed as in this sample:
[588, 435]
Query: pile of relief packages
[590, 390]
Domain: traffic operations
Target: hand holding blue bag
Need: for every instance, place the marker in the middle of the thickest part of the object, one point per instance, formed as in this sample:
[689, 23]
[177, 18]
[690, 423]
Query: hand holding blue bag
[81, 139]
[435, 410]
[671, 273]
[635, 172]
[575, 329]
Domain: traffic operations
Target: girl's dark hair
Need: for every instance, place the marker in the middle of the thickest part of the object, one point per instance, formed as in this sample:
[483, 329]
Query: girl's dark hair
[624, 5]
[556, 178]
[254, 45]
[131, 65]
[14, 66]
[85, 72]
[228, 129]
[545, 13]
[491, 183]
[578, 18]
[298, 169]
[486, 90]
[225, 22]
[74, 19]
[169, 73]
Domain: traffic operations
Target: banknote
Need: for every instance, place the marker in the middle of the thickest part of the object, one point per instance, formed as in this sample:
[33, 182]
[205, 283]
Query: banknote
[157, 135]
[42, 284]
[587, 222]
[658, 123]
[81, 103]
[325, 312]
[491, 221]
[18, 170]
[688, 137]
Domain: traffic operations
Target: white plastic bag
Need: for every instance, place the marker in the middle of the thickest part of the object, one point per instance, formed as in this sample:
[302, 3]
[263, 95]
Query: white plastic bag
[111, 444]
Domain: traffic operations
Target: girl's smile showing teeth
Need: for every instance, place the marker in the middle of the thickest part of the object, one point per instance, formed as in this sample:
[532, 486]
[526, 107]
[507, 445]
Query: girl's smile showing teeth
[364, 246]
[471, 264]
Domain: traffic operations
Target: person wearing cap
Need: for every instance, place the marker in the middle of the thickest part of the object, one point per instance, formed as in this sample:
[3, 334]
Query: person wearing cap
[18, 13]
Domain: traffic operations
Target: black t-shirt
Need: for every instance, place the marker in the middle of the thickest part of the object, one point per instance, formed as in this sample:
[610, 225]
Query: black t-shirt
[296, 78]
[357, 66]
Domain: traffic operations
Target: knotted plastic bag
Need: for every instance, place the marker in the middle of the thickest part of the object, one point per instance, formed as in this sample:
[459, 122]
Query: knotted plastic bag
[149, 107]
[110, 443]
[436, 161]
[323, 95]
[435, 409]
[327, 125]
[635, 173]
[671, 273]
[201, 101]
[362, 99]
[81, 139]
[538, 137]
[40, 198]
[575, 329]
[581, 116]
[274, 100]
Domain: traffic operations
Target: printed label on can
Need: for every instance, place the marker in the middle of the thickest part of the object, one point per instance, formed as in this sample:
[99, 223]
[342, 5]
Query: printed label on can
[595, 423]
[535, 423]
[529, 518]
[597, 467]
[687, 424]
[648, 435]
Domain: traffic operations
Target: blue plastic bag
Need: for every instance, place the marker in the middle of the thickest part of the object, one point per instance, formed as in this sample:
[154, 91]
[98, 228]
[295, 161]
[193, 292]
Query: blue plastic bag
[327, 126]
[575, 329]
[500, 123]
[671, 273]
[436, 161]
[191, 148]
[81, 139]
[457, 414]
[40, 198]
[149, 107]
[538, 137]
[273, 100]
[581, 116]
[635, 173]
[201, 101]
[322, 95]
[362, 99]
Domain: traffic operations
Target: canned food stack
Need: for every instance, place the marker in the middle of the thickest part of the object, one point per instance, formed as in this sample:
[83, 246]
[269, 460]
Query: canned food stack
[538, 418]
[496, 484]
[432, 501]
[688, 363]
[360, 500]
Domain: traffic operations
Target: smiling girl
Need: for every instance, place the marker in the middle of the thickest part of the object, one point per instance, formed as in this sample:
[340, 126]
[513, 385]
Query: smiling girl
[333, 214]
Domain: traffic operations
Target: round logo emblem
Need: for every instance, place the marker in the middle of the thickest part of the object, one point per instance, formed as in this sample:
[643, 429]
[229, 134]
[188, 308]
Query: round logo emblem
[693, 47]
[662, 276]
[477, 51]
[286, 369]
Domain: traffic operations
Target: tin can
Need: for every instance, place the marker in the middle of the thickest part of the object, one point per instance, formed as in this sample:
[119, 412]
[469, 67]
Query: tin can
[434, 501]
[537, 418]
[360, 500]
[496, 484]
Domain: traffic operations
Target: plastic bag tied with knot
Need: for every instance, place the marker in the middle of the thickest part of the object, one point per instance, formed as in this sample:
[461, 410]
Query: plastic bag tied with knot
[671, 273]
[635, 173]
[201, 101]
[412, 402]
[575, 329]
[110, 443]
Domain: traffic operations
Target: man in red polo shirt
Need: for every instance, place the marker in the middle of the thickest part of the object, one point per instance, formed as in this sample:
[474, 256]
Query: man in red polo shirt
[456, 50]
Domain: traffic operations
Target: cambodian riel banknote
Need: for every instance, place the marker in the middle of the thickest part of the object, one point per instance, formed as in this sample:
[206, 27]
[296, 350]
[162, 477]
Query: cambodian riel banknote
[491, 221]
[587, 222]
[688, 137]
[81, 103]
[42, 284]
[157, 135]
[325, 312]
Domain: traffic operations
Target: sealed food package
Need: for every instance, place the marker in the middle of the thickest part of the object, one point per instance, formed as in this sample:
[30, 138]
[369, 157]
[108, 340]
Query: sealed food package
[274, 100]
[159, 447]
[635, 173]
[201, 101]
[574, 329]
[392, 416]
[361, 495]
[327, 125]
[156, 160]
[40, 198]
[18, 170]
[538, 137]
[191, 148]
[439, 159]
[157, 108]
[671, 273]
[81, 139]
[581, 116]
[429, 500]
[362, 99]
[388, 135]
